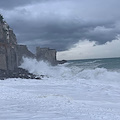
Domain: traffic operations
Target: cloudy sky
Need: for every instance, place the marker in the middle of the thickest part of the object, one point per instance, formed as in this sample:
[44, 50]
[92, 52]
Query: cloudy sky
[78, 29]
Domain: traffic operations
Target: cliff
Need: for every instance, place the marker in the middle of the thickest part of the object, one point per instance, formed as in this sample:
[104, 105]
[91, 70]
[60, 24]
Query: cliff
[46, 54]
[22, 51]
[8, 42]
[11, 53]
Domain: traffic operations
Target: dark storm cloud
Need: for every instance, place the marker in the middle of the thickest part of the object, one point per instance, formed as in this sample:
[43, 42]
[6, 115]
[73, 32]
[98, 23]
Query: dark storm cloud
[62, 37]
[59, 25]
[10, 4]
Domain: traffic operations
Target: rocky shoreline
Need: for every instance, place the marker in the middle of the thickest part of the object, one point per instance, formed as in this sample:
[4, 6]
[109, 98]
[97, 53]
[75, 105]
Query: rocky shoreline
[18, 73]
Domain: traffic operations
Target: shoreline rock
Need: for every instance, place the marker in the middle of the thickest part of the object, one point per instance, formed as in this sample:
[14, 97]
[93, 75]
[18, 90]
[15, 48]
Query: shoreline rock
[18, 73]
[62, 61]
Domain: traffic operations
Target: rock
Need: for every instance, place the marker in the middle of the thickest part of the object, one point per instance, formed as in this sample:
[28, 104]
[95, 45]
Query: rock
[3, 74]
[18, 73]
[11, 58]
[3, 64]
[46, 54]
[11, 54]
[8, 55]
[22, 51]
[62, 61]
[22, 73]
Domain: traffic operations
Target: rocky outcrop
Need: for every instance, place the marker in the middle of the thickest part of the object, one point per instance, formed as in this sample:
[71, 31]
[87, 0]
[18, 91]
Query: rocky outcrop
[8, 42]
[11, 54]
[22, 51]
[46, 54]
[18, 73]
[8, 57]
[62, 61]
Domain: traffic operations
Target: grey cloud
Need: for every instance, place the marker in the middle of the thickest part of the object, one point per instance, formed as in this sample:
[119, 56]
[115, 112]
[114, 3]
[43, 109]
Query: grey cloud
[62, 28]
[62, 36]
[10, 4]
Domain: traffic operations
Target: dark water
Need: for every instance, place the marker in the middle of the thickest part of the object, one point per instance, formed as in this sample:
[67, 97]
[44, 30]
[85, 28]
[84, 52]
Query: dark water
[108, 63]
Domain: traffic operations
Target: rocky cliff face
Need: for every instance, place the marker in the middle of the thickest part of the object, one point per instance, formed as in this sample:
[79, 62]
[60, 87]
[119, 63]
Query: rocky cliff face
[46, 54]
[8, 42]
[11, 53]
[22, 51]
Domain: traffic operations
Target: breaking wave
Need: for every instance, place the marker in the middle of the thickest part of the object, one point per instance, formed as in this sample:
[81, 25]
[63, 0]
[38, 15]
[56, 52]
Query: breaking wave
[68, 71]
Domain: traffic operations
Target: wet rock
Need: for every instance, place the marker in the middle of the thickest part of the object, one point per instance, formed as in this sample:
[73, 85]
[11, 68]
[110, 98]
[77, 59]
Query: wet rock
[62, 61]
[11, 55]
[22, 51]
[46, 54]
[18, 73]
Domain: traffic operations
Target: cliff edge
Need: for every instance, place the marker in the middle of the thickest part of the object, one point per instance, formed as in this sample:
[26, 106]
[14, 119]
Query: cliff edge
[11, 53]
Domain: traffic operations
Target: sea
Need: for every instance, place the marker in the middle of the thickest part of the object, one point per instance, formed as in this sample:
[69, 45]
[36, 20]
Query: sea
[75, 69]
[77, 90]
[107, 63]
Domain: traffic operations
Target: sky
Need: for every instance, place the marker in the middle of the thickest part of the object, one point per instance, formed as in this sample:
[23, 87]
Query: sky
[77, 29]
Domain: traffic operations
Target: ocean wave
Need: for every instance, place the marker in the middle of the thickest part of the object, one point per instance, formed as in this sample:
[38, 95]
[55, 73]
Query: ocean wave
[68, 72]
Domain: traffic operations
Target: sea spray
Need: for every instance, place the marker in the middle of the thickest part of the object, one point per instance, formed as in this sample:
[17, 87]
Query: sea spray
[70, 71]
[79, 89]
[44, 68]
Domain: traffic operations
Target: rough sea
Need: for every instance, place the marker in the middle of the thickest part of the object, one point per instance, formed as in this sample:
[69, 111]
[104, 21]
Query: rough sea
[107, 63]
[77, 90]
[76, 69]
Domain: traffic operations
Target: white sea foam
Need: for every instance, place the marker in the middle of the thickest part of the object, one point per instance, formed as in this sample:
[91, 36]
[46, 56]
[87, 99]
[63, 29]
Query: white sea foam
[44, 68]
[68, 72]
[69, 92]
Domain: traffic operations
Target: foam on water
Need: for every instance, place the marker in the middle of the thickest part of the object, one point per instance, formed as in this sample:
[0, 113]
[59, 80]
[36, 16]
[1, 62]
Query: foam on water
[69, 72]
[72, 91]
[44, 68]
